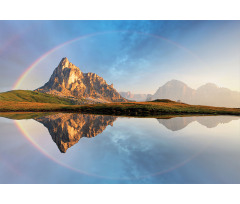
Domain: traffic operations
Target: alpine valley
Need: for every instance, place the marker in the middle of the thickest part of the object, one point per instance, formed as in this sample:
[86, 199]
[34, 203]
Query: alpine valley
[208, 94]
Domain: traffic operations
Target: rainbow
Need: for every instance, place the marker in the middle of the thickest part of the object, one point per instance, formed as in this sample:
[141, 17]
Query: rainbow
[44, 56]
[167, 170]
[49, 52]
[19, 81]
[29, 138]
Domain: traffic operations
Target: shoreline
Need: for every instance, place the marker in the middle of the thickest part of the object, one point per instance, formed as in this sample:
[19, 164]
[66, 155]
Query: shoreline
[32, 115]
[128, 109]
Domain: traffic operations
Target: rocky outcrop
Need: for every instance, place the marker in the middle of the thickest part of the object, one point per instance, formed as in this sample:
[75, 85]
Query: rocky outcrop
[68, 80]
[67, 129]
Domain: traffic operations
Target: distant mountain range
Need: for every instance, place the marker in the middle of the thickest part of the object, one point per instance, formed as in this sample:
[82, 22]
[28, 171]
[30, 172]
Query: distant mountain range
[67, 129]
[135, 97]
[69, 81]
[208, 94]
[178, 123]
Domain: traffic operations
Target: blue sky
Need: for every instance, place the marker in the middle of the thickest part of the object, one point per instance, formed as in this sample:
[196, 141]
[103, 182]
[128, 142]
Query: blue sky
[136, 56]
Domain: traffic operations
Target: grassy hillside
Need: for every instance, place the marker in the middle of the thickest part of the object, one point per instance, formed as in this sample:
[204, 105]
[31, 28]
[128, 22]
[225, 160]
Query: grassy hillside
[31, 101]
[120, 109]
[24, 115]
[35, 115]
[152, 108]
[32, 96]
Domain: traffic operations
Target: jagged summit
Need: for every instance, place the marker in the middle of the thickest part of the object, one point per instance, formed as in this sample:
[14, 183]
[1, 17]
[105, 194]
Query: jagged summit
[64, 63]
[69, 81]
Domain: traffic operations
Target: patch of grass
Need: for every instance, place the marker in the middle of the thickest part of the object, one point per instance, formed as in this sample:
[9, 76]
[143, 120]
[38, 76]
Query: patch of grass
[35, 115]
[24, 115]
[33, 96]
[31, 101]
[144, 109]
[163, 100]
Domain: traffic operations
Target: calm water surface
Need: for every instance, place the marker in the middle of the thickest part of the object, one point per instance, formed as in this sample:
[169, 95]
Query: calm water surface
[76, 148]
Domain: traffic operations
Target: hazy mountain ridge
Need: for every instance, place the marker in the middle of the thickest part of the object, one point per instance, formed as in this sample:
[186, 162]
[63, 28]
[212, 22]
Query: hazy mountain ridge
[174, 90]
[208, 94]
[68, 80]
[136, 97]
[178, 123]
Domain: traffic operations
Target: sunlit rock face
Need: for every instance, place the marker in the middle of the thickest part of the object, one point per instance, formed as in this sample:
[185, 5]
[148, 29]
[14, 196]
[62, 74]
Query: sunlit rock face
[67, 129]
[178, 123]
[68, 80]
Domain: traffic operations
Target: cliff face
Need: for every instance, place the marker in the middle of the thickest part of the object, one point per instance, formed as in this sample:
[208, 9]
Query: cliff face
[69, 81]
[67, 129]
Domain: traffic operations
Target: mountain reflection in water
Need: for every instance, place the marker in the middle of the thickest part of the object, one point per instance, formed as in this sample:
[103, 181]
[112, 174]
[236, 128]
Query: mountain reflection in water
[67, 129]
[194, 149]
[179, 123]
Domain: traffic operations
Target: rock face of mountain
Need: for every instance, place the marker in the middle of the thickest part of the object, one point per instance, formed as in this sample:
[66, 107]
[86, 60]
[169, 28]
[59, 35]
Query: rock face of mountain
[208, 94]
[135, 97]
[69, 81]
[67, 129]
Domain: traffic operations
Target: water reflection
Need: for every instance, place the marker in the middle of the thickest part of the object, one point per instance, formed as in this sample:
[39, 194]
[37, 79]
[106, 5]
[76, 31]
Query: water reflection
[178, 123]
[67, 129]
[128, 150]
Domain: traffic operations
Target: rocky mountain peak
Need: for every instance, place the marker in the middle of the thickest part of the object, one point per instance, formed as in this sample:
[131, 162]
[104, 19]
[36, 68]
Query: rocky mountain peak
[68, 80]
[64, 63]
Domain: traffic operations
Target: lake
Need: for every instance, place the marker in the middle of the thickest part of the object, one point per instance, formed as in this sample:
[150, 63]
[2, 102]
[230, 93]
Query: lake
[81, 148]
